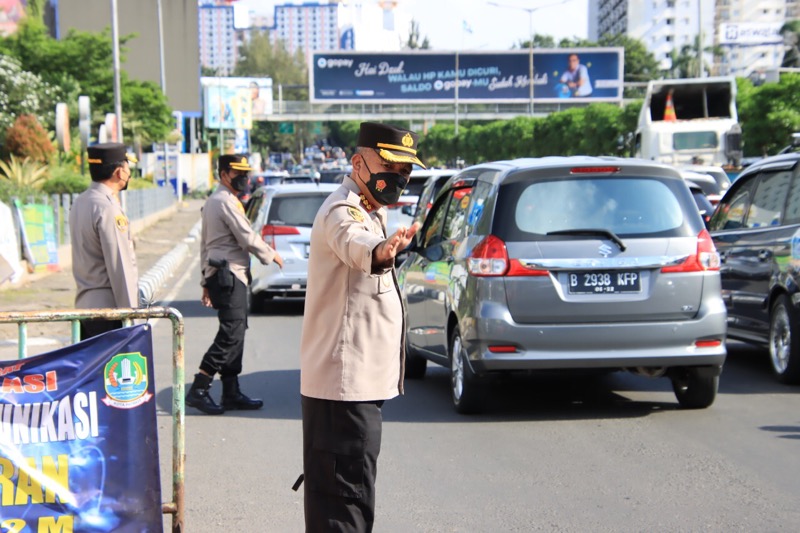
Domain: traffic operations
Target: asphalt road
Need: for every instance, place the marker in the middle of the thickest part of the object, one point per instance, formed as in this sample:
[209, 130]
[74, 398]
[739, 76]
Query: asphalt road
[550, 453]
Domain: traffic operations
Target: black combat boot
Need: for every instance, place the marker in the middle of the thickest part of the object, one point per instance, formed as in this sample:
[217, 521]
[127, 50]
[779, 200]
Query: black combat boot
[232, 397]
[199, 398]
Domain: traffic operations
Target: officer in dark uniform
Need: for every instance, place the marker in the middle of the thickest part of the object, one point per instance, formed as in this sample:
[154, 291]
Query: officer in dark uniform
[103, 258]
[227, 240]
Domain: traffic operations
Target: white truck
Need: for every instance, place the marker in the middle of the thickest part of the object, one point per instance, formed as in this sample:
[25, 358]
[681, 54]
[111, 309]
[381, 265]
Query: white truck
[690, 121]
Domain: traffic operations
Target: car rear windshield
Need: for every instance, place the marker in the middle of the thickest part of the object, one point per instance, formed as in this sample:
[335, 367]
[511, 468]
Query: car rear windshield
[529, 210]
[296, 210]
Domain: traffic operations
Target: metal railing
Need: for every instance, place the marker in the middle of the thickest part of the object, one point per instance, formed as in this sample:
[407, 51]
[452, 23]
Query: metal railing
[141, 203]
[176, 506]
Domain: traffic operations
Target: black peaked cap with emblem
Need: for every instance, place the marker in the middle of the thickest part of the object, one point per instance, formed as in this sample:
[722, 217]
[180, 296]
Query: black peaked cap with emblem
[393, 144]
[235, 162]
[105, 153]
[102, 154]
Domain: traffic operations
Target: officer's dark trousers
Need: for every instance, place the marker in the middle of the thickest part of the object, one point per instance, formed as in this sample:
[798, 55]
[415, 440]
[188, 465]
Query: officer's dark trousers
[341, 443]
[92, 328]
[224, 356]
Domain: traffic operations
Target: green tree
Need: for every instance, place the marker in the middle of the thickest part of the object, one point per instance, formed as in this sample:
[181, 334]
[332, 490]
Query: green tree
[415, 42]
[539, 41]
[145, 107]
[25, 93]
[261, 58]
[769, 114]
[688, 64]
[81, 63]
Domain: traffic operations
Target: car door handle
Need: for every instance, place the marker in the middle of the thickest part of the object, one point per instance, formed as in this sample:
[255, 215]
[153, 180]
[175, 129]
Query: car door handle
[764, 254]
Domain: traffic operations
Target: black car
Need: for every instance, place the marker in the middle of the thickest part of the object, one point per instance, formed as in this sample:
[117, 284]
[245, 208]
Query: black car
[756, 229]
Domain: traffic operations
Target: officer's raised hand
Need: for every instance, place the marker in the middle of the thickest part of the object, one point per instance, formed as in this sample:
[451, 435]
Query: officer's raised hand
[386, 251]
[278, 259]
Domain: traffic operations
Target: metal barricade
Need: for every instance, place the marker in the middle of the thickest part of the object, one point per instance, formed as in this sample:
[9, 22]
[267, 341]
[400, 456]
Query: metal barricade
[176, 506]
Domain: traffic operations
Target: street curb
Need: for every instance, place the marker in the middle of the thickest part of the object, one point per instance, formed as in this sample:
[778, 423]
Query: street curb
[153, 280]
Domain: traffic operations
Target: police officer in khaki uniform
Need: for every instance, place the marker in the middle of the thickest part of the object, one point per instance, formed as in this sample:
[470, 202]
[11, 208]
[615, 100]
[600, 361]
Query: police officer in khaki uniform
[103, 258]
[227, 240]
[352, 351]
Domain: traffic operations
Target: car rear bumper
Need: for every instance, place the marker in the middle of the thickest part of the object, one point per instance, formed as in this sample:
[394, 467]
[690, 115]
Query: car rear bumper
[617, 345]
[275, 282]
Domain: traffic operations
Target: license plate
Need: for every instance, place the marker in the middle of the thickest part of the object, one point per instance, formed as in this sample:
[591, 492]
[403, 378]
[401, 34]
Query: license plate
[598, 282]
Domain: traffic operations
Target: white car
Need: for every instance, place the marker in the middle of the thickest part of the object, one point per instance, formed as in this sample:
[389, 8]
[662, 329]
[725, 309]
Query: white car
[283, 215]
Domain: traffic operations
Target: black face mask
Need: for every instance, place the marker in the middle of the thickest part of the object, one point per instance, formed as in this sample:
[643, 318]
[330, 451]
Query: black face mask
[385, 187]
[239, 183]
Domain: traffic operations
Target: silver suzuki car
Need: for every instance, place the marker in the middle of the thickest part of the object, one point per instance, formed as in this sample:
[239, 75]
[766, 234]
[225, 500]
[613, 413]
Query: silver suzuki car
[567, 263]
[283, 215]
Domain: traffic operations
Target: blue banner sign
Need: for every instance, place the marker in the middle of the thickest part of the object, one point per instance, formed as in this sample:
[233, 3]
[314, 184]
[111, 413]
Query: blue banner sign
[78, 438]
[433, 77]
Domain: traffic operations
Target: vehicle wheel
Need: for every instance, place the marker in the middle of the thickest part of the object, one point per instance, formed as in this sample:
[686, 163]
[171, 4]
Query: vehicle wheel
[255, 303]
[464, 385]
[784, 341]
[416, 365]
[694, 388]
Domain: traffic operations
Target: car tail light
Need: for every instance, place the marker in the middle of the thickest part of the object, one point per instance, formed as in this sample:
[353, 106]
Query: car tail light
[593, 170]
[708, 343]
[490, 258]
[502, 348]
[706, 257]
[269, 231]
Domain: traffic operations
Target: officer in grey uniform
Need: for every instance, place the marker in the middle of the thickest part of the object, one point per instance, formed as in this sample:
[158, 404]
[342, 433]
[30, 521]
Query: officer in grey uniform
[227, 240]
[103, 258]
[351, 350]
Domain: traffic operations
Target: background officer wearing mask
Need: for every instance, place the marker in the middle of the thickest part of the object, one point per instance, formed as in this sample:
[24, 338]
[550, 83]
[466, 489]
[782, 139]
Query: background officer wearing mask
[227, 240]
[351, 350]
[103, 259]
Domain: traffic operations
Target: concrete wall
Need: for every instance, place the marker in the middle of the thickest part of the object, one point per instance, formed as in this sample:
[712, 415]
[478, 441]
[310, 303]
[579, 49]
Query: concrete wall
[140, 17]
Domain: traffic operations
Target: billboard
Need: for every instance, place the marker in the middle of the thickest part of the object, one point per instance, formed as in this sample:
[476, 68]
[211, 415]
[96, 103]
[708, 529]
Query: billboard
[441, 77]
[233, 103]
[79, 438]
[750, 33]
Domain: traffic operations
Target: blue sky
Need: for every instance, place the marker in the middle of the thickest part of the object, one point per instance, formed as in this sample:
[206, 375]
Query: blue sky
[493, 27]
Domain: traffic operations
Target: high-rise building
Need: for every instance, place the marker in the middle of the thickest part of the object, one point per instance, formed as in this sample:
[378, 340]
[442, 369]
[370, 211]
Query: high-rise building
[219, 47]
[333, 25]
[664, 26]
[747, 32]
[749, 35]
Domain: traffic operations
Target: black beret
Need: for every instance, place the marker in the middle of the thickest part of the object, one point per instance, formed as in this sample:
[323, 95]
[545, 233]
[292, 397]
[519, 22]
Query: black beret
[393, 144]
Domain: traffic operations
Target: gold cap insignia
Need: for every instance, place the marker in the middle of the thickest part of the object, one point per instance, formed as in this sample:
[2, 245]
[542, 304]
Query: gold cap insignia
[407, 140]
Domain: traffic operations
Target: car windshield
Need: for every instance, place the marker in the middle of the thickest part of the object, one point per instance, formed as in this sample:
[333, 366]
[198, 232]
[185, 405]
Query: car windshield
[295, 210]
[627, 206]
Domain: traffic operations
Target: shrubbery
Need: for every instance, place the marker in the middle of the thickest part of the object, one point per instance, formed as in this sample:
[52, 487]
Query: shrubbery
[66, 184]
[26, 138]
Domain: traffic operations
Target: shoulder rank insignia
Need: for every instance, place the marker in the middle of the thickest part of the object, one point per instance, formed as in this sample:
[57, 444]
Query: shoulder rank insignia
[121, 222]
[357, 215]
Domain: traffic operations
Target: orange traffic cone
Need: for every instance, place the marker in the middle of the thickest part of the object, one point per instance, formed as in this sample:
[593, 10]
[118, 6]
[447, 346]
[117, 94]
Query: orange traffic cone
[669, 110]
